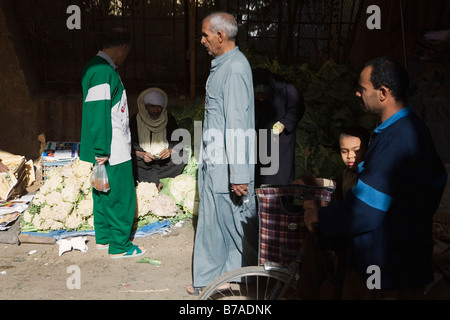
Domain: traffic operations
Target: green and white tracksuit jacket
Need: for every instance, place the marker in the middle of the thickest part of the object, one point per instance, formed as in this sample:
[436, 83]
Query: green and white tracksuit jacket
[105, 123]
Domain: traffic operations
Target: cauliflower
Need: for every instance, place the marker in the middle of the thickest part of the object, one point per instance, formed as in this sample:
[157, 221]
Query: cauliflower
[150, 201]
[145, 191]
[27, 217]
[50, 224]
[73, 221]
[163, 206]
[52, 206]
[81, 169]
[37, 222]
[192, 167]
[47, 212]
[143, 208]
[180, 185]
[66, 172]
[53, 182]
[57, 213]
[86, 188]
[65, 200]
[191, 202]
[53, 198]
[62, 210]
[70, 192]
[85, 207]
[38, 199]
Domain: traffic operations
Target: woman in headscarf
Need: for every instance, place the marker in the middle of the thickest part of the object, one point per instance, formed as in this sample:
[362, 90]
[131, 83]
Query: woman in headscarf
[151, 131]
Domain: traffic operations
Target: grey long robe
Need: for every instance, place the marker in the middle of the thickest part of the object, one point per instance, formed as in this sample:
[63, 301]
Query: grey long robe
[226, 236]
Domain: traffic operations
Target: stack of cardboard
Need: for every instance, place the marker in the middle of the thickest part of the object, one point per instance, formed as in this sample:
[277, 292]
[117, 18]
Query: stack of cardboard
[14, 182]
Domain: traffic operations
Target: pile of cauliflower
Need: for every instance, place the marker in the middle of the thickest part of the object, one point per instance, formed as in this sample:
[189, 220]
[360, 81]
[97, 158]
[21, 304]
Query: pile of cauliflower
[64, 201]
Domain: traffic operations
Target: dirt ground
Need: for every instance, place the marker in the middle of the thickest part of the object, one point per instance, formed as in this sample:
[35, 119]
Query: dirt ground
[36, 271]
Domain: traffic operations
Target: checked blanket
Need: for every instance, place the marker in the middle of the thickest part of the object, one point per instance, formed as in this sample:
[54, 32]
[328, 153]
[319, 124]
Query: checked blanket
[282, 229]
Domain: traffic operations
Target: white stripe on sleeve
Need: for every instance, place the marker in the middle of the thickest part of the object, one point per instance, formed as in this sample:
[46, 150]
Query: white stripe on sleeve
[98, 93]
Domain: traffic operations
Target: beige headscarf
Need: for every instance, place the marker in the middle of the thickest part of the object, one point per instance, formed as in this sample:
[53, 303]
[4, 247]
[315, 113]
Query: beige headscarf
[152, 133]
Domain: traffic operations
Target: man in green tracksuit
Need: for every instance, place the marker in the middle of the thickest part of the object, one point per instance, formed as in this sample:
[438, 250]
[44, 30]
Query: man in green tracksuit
[106, 139]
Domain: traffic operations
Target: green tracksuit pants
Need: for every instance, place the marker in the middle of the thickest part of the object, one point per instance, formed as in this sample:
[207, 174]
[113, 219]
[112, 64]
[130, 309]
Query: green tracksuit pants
[114, 210]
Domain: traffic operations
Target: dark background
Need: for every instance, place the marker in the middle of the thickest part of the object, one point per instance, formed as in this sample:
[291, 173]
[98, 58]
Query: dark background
[41, 59]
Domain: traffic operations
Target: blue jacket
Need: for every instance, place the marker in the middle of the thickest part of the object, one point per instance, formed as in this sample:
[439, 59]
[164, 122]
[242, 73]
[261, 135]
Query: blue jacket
[389, 212]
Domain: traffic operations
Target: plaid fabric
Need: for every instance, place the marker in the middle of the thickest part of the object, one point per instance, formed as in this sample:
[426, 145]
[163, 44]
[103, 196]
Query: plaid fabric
[282, 229]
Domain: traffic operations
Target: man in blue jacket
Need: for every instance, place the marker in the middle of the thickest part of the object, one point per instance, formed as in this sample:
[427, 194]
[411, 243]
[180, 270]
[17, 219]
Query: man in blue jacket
[388, 214]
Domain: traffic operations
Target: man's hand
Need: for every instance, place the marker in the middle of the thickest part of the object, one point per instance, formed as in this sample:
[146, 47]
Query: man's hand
[146, 156]
[101, 160]
[166, 153]
[240, 189]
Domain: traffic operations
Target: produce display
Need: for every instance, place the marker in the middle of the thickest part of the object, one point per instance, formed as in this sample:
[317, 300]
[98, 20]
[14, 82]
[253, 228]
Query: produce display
[64, 201]
[183, 188]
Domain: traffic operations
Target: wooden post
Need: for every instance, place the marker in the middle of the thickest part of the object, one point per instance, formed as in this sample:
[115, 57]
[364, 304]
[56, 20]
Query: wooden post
[192, 46]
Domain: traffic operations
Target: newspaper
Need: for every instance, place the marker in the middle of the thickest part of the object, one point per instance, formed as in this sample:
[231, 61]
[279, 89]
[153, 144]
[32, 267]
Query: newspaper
[10, 211]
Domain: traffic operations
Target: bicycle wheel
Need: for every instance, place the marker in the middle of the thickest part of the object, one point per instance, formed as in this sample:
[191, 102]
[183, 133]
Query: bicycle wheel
[250, 283]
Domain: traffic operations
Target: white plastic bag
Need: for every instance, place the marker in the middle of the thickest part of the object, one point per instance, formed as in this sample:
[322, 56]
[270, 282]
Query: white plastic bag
[99, 178]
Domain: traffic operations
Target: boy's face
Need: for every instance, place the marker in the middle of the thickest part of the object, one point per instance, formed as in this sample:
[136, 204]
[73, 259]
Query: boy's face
[350, 150]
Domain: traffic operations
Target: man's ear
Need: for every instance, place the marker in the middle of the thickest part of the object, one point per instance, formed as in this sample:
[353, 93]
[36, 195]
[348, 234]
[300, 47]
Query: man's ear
[383, 93]
[124, 47]
[221, 36]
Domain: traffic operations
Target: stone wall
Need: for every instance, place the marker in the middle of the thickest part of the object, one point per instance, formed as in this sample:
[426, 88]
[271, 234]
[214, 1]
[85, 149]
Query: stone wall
[19, 113]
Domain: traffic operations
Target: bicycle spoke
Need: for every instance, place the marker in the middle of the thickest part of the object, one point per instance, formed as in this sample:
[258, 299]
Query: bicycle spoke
[253, 283]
